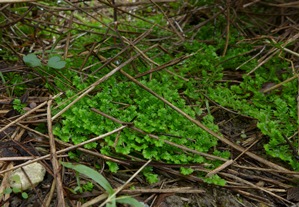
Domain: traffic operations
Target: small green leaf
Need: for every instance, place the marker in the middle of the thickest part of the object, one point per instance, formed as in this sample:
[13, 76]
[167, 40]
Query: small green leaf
[88, 186]
[32, 60]
[186, 171]
[128, 200]
[24, 195]
[56, 62]
[16, 179]
[16, 190]
[151, 177]
[18, 105]
[91, 173]
[215, 179]
[7, 191]
[113, 167]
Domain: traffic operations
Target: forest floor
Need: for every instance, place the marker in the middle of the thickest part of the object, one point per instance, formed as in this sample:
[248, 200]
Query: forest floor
[171, 103]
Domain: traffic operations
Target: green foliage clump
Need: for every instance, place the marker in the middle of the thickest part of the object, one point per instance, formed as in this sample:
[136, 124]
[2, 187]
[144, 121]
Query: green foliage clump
[18, 105]
[126, 101]
[275, 111]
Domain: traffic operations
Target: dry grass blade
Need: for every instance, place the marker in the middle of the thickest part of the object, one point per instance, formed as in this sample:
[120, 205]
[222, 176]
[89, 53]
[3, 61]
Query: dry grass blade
[254, 197]
[16, 1]
[221, 167]
[181, 36]
[182, 190]
[275, 51]
[55, 163]
[165, 65]
[264, 179]
[130, 4]
[280, 84]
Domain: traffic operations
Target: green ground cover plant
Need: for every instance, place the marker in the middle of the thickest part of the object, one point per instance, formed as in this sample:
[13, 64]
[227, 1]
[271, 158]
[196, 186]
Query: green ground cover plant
[275, 111]
[126, 101]
[18, 106]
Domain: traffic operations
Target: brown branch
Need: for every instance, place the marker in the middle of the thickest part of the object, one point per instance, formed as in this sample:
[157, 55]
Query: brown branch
[168, 190]
[165, 65]
[55, 164]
